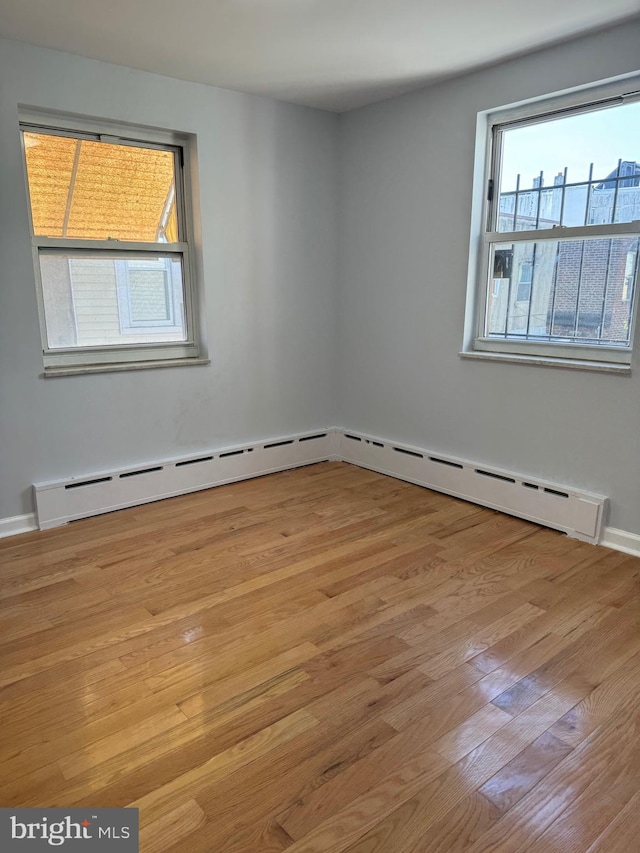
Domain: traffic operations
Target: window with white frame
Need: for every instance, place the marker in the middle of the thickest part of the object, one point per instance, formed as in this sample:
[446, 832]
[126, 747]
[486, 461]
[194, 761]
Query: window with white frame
[559, 248]
[110, 234]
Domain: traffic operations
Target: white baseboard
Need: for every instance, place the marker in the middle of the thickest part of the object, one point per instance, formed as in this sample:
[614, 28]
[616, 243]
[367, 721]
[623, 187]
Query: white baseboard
[621, 540]
[578, 514]
[18, 524]
[153, 480]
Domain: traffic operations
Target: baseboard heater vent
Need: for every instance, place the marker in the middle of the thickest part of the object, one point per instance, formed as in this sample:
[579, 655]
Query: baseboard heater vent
[579, 514]
[126, 474]
[409, 452]
[81, 483]
[93, 494]
[193, 461]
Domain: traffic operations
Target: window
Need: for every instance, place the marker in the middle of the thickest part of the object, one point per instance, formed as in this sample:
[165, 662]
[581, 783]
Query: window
[558, 252]
[110, 236]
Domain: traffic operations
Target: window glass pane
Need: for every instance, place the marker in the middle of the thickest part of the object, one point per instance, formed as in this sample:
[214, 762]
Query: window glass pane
[85, 189]
[93, 299]
[570, 291]
[581, 169]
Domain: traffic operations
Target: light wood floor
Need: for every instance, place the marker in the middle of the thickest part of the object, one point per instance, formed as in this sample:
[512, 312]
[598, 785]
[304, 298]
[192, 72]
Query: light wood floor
[325, 660]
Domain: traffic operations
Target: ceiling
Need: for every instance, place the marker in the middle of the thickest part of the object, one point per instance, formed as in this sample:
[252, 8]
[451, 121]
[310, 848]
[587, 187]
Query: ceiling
[332, 54]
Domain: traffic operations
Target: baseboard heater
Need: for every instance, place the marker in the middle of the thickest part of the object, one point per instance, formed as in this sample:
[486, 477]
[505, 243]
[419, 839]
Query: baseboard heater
[93, 494]
[577, 513]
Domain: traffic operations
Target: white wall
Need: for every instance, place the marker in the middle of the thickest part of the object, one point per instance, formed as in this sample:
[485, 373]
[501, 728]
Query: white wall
[406, 178]
[268, 249]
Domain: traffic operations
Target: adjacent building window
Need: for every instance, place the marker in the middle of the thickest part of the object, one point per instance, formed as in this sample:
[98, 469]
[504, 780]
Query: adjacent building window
[150, 299]
[110, 234]
[525, 281]
[559, 250]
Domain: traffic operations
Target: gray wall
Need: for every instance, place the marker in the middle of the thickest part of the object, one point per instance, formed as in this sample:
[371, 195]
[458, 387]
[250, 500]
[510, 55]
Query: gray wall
[405, 184]
[268, 196]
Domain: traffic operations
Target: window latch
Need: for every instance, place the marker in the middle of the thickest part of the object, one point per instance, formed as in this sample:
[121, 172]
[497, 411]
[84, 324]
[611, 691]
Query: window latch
[490, 189]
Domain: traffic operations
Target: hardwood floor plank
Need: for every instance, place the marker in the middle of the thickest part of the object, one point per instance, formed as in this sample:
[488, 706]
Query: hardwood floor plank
[452, 834]
[92, 754]
[157, 835]
[621, 835]
[519, 775]
[601, 704]
[477, 641]
[466, 736]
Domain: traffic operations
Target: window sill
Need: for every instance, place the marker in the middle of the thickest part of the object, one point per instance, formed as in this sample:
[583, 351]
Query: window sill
[547, 361]
[116, 367]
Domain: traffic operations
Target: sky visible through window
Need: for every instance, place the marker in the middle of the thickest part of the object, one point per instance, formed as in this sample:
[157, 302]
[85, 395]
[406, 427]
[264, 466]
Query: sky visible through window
[574, 142]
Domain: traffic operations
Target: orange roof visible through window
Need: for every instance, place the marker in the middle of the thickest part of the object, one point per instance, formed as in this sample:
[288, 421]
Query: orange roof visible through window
[98, 190]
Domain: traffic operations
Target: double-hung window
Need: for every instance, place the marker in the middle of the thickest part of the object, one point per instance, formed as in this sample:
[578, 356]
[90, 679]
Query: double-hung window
[110, 234]
[559, 248]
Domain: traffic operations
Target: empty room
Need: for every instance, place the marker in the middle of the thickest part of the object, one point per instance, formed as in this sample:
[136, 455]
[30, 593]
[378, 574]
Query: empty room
[319, 426]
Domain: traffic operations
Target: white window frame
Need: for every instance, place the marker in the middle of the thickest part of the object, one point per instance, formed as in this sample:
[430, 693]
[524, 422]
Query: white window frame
[484, 235]
[83, 359]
